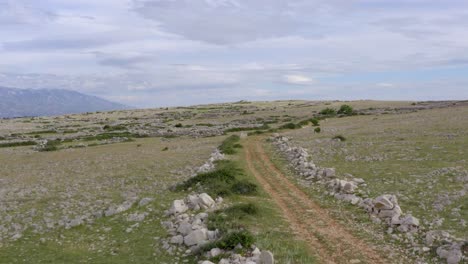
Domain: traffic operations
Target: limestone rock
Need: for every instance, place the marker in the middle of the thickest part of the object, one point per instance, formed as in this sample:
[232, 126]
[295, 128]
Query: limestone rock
[196, 237]
[266, 257]
[178, 206]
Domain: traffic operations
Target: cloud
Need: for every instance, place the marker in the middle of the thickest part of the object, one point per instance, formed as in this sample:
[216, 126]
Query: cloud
[160, 52]
[298, 79]
[15, 12]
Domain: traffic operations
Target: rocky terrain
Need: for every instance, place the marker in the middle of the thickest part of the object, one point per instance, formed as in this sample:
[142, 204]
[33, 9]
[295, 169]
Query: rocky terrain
[102, 187]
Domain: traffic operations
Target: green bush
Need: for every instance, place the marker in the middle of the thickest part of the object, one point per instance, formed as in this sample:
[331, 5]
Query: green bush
[17, 144]
[179, 125]
[51, 145]
[237, 129]
[340, 137]
[229, 145]
[114, 128]
[244, 187]
[346, 110]
[226, 220]
[303, 123]
[220, 182]
[231, 240]
[165, 149]
[317, 130]
[289, 126]
[314, 121]
[328, 112]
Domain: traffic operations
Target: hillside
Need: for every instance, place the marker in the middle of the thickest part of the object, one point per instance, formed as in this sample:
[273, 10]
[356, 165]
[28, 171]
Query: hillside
[48, 102]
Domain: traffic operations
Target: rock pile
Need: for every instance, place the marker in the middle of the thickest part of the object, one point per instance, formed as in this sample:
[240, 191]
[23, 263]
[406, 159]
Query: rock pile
[299, 159]
[210, 164]
[187, 228]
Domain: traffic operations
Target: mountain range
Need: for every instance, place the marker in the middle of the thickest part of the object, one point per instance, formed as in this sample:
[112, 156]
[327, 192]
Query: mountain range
[48, 102]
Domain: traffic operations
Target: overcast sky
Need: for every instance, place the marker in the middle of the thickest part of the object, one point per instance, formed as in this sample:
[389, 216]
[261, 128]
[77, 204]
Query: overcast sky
[150, 53]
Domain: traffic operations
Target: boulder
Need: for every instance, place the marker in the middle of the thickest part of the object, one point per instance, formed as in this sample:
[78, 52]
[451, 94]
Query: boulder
[178, 206]
[384, 202]
[329, 172]
[266, 257]
[214, 252]
[179, 240]
[205, 201]
[196, 237]
[184, 228]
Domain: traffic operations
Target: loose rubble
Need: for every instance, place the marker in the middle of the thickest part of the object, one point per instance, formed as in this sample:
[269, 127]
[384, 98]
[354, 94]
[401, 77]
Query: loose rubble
[187, 229]
[384, 208]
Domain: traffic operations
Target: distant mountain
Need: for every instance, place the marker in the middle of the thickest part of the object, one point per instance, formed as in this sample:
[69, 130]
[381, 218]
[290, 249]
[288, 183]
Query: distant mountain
[47, 102]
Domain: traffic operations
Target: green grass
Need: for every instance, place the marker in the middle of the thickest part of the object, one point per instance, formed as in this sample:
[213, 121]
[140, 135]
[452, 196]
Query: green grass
[223, 181]
[230, 145]
[238, 129]
[17, 144]
[110, 135]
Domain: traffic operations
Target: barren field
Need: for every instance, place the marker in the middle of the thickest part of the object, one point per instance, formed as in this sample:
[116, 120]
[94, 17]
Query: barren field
[100, 187]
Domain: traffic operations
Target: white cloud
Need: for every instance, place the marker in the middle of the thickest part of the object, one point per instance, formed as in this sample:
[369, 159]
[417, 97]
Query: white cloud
[298, 79]
[183, 51]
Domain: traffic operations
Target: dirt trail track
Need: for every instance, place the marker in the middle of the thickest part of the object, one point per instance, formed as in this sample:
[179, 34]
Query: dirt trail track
[328, 239]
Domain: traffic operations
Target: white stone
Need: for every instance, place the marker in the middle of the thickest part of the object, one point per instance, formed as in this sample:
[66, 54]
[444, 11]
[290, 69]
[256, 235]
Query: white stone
[266, 258]
[196, 237]
[215, 252]
[184, 228]
[179, 240]
[178, 206]
[206, 200]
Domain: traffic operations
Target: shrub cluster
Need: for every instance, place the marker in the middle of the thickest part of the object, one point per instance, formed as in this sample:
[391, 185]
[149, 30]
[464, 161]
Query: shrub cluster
[223, 181]
[17, 144]
[230, 144]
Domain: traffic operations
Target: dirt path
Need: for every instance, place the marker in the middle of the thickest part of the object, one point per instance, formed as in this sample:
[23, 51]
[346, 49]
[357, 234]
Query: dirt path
[331, 242]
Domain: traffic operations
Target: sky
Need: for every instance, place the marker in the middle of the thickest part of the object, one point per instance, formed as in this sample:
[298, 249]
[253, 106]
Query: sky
[153, 53]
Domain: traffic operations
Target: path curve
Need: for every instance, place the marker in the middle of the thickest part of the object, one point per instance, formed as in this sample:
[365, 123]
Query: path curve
[331, 242]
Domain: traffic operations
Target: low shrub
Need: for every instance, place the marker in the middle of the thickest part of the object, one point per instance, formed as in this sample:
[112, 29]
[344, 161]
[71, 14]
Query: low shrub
[114, 128]
[165, 149]
[317, 130]
[222, 181]
[17, 144]
[231, 240]
[289, 126]
[238, 129]
[340, 137]
[314, 121]
[244, 187]
[328, 112]
[51, 145]
[229, 145]
[346, 110]
[179, 125]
